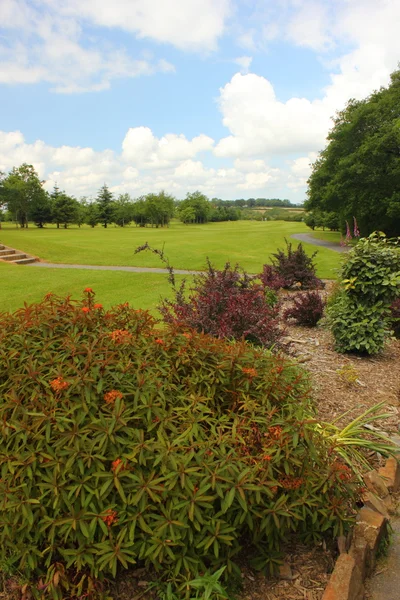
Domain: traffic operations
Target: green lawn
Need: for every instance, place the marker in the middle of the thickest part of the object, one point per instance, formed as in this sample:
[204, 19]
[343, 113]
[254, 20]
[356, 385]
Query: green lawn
[249, 243]
[29, 284]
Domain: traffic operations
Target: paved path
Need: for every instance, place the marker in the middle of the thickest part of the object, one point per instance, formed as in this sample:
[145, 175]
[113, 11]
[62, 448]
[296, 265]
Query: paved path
[305, 237]
[110, 268]
[385, 584]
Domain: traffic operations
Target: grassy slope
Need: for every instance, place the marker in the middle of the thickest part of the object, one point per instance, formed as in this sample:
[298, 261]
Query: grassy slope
[247, 242]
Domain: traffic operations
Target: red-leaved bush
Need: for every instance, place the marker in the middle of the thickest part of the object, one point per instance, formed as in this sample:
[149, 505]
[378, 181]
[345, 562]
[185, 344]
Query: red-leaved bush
[226, 304]
[295, 267]
[395, 316]
[307, 309]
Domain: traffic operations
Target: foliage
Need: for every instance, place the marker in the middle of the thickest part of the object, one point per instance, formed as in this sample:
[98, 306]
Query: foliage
[356, 326]
[348, 374]
[357, 173]
[307, 309]
[105, 206]
[200, 206]
[395, 317]
[359, 315]
[121, 443]
[223, 303]
[22, 191]
[296, 267]
[270, 278]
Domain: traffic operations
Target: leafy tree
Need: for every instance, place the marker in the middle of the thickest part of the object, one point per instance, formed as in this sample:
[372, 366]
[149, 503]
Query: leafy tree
[159, 208]
[358, 173]
[187, 215]
[41, 210]
[92, 214]
[81, 212]
[2, 197]
[199, 203]
[65, 209]
[105, 206]
[139, 215]
[123, 210]
[22, 189]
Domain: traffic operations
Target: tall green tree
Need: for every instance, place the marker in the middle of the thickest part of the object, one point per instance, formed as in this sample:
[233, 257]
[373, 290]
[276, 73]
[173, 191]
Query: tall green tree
[40, 211]
[123, 210]
[22, 189]
[200, 205]
[65, 210]
[358, 173]
[105, 206]
[159, 208]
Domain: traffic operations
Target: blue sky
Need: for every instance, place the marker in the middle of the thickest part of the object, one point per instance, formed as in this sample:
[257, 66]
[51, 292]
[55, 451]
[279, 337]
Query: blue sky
[231, 97]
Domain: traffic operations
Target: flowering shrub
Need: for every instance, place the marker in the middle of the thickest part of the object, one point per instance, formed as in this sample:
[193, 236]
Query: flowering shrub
[121, 444]
[294, 267]
[307, 309]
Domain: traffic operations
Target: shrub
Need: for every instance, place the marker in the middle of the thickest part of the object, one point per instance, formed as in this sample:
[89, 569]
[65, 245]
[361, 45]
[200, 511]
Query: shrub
[359, 315]
[395, 317]
[121, 443]
[296, 267]
[358, 327]
[270, 278]
[307, 309]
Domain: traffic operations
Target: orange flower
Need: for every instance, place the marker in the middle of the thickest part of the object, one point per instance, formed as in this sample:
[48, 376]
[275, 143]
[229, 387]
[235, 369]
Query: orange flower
[111, 397]
[85, 309]
[291, 483]
[250, 372]
[275, 432]
[97, 305]
[266, 457]
[121, 336]
[88, 290]
[110, 517]
[59, 384]
[115, 464]
[187, 335]
[160, 342]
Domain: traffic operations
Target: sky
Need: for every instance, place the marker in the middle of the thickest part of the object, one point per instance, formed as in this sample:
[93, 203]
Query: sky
[234, 98]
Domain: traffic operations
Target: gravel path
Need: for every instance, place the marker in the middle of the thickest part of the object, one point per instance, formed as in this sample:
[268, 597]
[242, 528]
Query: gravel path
[305, 237]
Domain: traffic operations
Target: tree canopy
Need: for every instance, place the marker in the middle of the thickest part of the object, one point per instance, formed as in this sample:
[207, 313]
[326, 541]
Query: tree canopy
[358, 173]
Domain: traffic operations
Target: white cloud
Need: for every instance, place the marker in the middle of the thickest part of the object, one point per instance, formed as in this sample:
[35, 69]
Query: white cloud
[244, 63]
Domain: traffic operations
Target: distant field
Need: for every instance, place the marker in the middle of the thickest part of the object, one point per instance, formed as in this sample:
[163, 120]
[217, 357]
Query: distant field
[248, 243]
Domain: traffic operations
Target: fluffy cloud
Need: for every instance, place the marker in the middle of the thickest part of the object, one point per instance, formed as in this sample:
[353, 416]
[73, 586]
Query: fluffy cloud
[189, 25]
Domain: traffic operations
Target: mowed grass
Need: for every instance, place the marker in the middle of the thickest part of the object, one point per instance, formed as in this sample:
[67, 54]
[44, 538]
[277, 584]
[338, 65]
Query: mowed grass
[29, 284]
[248, 243]
[245, 242]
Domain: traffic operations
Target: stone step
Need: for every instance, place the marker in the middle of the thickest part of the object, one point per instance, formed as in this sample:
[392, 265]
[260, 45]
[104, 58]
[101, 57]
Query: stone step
[2, 247]
[13, 257]
[5, 250]
[25, 261]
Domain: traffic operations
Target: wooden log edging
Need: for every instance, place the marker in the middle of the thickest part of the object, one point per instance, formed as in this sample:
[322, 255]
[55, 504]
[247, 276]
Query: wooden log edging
[357, 563]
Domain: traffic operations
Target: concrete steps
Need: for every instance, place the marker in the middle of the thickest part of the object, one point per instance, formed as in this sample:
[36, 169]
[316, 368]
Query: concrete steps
[15, 256]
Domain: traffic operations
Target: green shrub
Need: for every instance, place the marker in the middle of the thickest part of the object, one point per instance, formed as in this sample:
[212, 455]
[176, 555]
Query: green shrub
[359, 315]
[123, 444]
[358, 327]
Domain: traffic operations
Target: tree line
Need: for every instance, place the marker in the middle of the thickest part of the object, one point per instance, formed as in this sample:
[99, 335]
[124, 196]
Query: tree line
[24, 200]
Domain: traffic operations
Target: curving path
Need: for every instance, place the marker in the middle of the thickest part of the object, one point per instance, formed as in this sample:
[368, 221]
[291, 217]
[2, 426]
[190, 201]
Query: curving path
[302, 237]
[309, 239]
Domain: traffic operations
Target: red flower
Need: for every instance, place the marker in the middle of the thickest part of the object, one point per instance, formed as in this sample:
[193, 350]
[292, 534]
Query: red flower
[160, 342]
[97, 305]
[85, 309]
[110, 517]
[111, 397]
[59, 384]
[88, 290]
[266, 457]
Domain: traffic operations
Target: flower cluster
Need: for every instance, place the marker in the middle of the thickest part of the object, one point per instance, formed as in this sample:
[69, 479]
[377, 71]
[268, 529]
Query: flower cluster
[111, 397]
[117, 465]
[275, 432]
[160, 341]
[291, 483]
[121, 336]
[59, 384]
[249, 371]
[343, 471]
[86, 309]
[110, 517]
